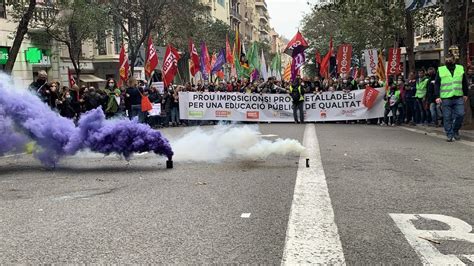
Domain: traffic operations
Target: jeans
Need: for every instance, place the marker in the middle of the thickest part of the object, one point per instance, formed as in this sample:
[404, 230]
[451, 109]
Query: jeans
[175, 115]
[435, 113]
[136, 111]
[410, 109]
[298, 106]
[420, 112]
[453, 115]
[401, 113]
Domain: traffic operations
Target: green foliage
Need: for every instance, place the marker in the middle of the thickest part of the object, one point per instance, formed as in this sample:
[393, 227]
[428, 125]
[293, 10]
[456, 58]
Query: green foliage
[425, 19]
[365, 24]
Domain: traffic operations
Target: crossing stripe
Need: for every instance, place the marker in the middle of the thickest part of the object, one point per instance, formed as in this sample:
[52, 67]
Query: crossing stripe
[312, 236]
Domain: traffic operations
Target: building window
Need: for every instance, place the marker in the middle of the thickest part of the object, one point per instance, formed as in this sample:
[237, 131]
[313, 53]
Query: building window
[101, 42]
[3, 10]
[221, 2]
[117, 38]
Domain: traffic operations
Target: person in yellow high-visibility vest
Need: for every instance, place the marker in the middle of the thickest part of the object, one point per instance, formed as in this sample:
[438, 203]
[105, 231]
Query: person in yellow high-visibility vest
[297, 95]
[451, 91]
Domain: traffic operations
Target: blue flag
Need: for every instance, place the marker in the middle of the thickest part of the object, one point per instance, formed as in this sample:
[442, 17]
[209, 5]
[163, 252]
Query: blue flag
[220, 61]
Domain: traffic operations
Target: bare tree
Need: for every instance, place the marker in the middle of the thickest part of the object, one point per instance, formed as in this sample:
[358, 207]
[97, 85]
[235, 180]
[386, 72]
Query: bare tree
[137, 18]
[22, 29]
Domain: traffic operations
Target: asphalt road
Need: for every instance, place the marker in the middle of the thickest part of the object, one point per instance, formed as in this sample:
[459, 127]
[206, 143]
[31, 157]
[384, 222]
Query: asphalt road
[95, 209]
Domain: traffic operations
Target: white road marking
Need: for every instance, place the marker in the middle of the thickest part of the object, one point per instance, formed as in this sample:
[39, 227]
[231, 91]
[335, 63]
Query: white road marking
[428, 253]
[269, 136]
[245, 215]
[469, 257]
[437, 135]
[13, 155]
[312, 237]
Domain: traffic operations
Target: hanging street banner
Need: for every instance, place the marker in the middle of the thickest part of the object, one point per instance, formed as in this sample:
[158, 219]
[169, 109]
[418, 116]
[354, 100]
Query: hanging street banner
[326, 106]
[344, 58]
[371, 61]
[412, 5]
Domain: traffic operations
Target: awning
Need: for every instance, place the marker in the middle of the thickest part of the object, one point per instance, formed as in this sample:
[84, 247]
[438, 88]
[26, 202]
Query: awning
[88, 78]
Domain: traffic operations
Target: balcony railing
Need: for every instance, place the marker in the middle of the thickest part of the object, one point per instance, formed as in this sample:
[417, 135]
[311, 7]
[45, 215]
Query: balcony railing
[235, 14]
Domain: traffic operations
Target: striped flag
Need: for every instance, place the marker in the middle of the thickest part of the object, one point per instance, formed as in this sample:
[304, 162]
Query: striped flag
[287, 72]
[381, 67]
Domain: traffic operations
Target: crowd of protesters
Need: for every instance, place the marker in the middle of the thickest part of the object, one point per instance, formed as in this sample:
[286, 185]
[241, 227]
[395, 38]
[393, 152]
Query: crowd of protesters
[410, 100]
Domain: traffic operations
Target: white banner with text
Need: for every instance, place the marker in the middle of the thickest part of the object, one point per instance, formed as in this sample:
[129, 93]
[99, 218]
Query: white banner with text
[326, 106]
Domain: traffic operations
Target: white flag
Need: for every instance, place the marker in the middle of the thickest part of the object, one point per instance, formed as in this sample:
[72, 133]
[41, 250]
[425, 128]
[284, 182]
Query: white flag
[371, 60]
[263, 67]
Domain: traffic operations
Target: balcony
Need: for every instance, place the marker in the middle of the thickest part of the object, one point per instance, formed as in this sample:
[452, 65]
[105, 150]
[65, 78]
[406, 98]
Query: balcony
[263, 30]
[261, 4]
[263, 18]
[234, 14]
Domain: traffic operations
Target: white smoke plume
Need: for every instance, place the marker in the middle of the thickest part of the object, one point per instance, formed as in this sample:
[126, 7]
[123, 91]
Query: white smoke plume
[224, 141]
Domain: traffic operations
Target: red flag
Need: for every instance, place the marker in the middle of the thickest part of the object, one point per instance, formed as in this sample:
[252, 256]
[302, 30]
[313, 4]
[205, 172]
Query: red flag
[228, 52]
[296, 44]
[123, 65]
[344, 58]
[170, 64]
[71, 79]
[151, 58]
[207, 59]
[324, 69]
[318, 58]
[195, 65]
[393, 67]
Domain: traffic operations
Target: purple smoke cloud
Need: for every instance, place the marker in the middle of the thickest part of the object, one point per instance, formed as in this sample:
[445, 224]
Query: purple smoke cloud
[58, 136]
[10, 140]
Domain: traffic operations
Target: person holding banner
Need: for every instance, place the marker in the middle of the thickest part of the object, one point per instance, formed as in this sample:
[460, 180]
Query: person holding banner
[297, 95]
[392, 99]
[451, 90]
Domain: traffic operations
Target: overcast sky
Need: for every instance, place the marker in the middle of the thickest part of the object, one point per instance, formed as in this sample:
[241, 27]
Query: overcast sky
[286, 15]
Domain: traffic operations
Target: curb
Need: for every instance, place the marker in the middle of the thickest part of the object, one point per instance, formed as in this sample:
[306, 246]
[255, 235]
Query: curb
[466, 135]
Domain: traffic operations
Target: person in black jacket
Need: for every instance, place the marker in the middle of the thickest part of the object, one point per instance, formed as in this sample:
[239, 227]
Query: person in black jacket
[40, 87]
[92, 99]
[435, 111]
[133, 100]
[470, 80]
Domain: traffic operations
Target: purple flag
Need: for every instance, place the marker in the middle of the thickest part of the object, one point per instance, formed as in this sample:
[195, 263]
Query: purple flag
[296, 64]
[254, 75]
[220, 61]
[204, 61]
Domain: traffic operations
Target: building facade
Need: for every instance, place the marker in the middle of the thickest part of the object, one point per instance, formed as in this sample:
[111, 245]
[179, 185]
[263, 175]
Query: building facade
[263, 20]
[252, 20]
[219, 9]
[34, 55]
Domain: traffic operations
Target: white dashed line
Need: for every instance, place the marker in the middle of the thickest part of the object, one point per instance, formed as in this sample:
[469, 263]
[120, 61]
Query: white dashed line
[245, 215]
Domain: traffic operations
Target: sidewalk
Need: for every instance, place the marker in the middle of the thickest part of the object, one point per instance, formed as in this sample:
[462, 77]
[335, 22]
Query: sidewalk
[467, 135]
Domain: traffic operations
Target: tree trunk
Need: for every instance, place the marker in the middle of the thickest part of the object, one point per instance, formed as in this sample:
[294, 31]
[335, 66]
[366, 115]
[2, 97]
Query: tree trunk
[456, 28]
[20, 34]
[75, 55]
[463, 37]
[410, 41]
